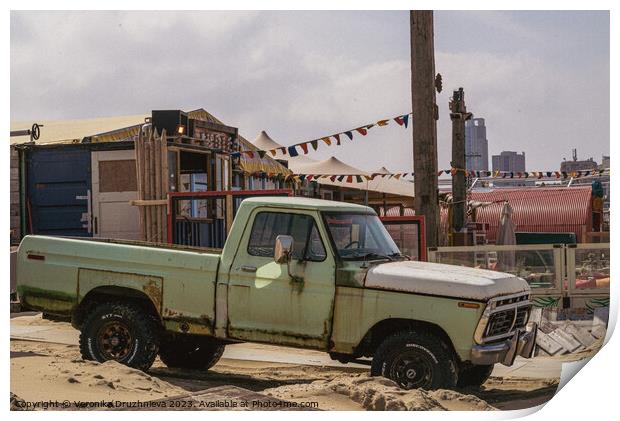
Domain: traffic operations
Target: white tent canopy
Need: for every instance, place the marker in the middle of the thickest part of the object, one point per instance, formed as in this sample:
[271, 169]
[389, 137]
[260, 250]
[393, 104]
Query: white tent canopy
[266, 143]
[303, 165]
[331, 165]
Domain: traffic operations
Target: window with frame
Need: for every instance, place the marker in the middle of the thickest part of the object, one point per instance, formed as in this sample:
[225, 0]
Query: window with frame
[307, 243]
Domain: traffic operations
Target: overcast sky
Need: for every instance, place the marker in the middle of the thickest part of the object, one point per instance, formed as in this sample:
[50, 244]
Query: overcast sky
[540, 79]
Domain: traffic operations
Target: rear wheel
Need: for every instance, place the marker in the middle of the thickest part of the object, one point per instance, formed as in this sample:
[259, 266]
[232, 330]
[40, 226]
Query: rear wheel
[415, 360]
[121, 332]
[195, 352]
[474, 375]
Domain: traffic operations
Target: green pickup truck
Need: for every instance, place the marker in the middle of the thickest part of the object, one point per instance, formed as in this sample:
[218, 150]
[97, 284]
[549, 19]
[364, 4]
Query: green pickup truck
[294, 272]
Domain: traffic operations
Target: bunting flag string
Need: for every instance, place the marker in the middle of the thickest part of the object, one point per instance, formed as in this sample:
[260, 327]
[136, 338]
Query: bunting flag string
[408, 176]
[294, 150]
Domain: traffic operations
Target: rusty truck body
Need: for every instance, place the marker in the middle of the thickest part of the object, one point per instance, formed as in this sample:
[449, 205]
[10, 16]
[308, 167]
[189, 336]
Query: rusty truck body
[295, 272]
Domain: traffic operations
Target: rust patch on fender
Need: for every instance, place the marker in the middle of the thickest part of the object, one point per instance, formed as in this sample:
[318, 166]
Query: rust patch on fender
[154, 292]
[169, 313]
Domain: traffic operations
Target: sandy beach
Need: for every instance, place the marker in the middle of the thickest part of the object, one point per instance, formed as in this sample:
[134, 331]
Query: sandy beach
[43, 371]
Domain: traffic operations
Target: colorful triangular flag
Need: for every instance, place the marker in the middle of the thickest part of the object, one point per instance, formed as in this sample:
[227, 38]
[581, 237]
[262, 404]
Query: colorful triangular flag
[292, 151]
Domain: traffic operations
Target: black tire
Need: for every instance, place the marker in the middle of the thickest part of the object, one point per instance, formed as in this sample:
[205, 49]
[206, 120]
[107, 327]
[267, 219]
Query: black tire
[122, 332]
[194, 352]
[474, 375]
[415, 360]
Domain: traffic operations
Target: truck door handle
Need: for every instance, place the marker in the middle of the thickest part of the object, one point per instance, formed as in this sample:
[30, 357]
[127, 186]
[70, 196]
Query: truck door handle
[247, 268]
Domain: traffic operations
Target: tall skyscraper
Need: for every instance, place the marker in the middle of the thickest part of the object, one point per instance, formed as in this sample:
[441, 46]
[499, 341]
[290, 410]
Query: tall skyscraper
[509, 161]
[476, 145]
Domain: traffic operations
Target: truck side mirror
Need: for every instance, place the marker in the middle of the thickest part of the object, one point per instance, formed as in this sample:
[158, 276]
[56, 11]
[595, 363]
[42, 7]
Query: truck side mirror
[283, 249]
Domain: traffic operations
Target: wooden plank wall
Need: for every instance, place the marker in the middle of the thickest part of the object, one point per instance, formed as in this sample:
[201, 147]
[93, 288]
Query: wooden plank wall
[152, 175]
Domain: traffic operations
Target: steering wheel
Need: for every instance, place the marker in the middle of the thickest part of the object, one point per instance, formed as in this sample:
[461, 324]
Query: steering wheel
[350, 244]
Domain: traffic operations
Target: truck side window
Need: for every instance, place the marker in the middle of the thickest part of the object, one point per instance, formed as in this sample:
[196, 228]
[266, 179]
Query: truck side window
[268, 225]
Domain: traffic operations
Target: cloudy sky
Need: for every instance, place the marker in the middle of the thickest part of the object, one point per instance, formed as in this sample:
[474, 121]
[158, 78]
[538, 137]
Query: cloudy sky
[540, 79]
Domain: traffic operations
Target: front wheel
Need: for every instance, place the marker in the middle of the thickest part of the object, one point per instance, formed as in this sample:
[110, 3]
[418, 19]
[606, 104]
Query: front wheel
[194, 352]
[121, 332]
[415, 360]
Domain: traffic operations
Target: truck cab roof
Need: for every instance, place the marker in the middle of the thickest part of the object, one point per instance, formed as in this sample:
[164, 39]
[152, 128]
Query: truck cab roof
[305, 203]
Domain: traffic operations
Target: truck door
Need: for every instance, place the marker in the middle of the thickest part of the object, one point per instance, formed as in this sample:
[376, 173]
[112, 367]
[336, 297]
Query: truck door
[264, 303]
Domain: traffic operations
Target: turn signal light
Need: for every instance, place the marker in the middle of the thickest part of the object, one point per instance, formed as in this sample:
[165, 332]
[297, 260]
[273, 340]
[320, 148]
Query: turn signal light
[462, 304]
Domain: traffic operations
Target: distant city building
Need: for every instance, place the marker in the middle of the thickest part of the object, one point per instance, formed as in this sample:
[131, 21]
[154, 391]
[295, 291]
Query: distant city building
[476, 145]
[578, 165]
[509, 161]
[605, 164]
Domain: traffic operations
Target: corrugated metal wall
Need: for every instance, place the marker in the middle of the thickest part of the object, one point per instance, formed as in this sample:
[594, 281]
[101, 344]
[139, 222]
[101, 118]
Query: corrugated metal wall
[14, 200]
[539, 209]
[550, 209]
[56, 179]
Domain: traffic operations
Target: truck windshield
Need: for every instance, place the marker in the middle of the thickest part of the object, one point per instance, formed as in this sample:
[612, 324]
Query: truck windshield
[360, 237]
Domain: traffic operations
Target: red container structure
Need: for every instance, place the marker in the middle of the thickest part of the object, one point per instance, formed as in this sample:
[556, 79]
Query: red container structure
[536, 209]
[551, 209]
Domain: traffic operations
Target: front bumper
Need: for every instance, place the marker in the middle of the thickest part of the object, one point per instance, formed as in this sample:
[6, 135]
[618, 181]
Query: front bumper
[505, 352]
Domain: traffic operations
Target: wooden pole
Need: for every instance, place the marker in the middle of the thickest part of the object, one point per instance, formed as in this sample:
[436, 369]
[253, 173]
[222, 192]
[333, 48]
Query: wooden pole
[151, 175]
[424, 122]
[165, 183]
[459, 180]
[139, 148]
[147, 187]
[157, 166]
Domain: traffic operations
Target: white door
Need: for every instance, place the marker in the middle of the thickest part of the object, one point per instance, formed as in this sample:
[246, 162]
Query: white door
[114, 185]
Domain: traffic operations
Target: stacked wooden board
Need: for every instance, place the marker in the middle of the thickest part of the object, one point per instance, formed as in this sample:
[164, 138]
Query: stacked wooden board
[562, 337]
[152, 175]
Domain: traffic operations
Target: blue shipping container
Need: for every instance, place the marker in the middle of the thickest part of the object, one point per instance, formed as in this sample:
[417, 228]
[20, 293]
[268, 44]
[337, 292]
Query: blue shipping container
[58, 180]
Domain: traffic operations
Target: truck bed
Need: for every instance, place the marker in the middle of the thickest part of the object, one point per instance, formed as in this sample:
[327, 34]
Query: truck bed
[167, 246]
[55, 275]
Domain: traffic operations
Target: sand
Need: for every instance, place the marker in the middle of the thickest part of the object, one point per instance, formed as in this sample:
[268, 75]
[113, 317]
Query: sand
[56, 373]
[43, 371]
[377, 394]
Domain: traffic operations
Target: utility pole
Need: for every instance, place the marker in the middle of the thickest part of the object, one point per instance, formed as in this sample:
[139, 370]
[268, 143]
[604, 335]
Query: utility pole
[458, 115]
[424, 122]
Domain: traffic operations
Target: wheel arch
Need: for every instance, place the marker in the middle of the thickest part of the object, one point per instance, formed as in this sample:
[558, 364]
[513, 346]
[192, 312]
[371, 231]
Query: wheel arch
[109, 293]
[387, 327]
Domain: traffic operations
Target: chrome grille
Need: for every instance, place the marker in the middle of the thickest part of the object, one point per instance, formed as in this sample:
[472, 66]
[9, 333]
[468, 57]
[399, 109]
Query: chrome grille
[522, 316]
[502, 317]
[500, 322]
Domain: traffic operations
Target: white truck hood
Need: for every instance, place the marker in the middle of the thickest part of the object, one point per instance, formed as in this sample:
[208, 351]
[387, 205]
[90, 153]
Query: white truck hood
[443, 280]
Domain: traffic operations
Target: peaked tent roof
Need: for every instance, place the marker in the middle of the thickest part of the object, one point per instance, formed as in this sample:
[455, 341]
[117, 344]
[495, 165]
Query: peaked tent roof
[301, 164]
[331, 165]
[264, 142]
